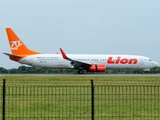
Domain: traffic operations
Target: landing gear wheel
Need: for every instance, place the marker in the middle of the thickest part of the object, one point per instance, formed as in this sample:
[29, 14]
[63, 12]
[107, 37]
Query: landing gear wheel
[145, 72]
[80, 71]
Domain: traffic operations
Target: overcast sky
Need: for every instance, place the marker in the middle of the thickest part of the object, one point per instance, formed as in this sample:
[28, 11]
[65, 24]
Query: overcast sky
[82, 26]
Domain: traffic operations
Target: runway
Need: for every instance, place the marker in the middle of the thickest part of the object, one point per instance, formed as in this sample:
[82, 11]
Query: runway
[79, 74]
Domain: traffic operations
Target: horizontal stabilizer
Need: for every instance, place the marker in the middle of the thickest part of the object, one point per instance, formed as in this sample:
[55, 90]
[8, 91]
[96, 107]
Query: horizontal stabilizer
[11, 55]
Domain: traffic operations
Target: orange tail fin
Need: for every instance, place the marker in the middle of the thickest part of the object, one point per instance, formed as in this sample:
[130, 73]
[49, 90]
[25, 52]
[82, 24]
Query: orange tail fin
[17, 46]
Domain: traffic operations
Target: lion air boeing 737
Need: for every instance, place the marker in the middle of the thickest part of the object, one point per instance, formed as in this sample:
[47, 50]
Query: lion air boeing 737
[88, 62]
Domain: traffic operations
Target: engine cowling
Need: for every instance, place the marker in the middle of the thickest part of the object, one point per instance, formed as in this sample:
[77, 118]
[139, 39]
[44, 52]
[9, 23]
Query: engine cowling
[97, 68]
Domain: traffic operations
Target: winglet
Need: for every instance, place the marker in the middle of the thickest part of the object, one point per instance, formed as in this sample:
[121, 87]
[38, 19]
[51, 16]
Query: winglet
[63, 54]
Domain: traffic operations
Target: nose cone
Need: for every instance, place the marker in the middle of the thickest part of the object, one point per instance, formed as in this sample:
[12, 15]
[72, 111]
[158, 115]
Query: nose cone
[155, 64]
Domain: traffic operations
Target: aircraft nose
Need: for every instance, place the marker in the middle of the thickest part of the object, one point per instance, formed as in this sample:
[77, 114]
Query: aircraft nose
[155, 64]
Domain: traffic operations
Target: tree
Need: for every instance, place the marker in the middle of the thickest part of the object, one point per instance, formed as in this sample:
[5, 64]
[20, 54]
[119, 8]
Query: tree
[3, 70]
[12, 71]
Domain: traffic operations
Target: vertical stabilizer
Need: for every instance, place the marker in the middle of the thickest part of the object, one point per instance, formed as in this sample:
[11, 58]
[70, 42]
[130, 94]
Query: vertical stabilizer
[17, 46]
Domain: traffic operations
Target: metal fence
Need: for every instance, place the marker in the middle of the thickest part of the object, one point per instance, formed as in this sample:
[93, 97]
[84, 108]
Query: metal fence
[109, 102]
[134, 102]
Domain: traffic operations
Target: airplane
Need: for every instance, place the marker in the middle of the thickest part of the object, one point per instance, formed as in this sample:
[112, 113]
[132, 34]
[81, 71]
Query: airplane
[89, 62]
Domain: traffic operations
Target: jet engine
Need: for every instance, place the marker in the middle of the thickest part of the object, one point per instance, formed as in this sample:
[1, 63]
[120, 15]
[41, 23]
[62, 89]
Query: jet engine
[97, 68]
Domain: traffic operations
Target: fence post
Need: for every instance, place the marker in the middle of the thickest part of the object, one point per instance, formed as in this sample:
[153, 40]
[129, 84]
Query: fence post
[3, 100]
[92, 99]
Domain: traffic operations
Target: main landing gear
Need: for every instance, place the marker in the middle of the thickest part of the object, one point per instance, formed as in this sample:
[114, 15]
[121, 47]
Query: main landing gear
[80, 71]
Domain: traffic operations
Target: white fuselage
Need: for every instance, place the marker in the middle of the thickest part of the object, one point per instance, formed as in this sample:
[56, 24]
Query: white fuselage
[110, 61]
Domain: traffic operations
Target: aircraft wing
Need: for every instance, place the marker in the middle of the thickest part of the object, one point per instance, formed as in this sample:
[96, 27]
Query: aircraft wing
[75, 63]
[11, 55]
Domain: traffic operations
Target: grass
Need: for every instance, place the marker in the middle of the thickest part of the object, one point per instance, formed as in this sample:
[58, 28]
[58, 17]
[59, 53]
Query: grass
[81, 80]
[68, 97]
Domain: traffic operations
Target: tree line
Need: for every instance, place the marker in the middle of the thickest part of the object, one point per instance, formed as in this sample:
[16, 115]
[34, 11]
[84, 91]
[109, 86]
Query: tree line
[37, 70]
